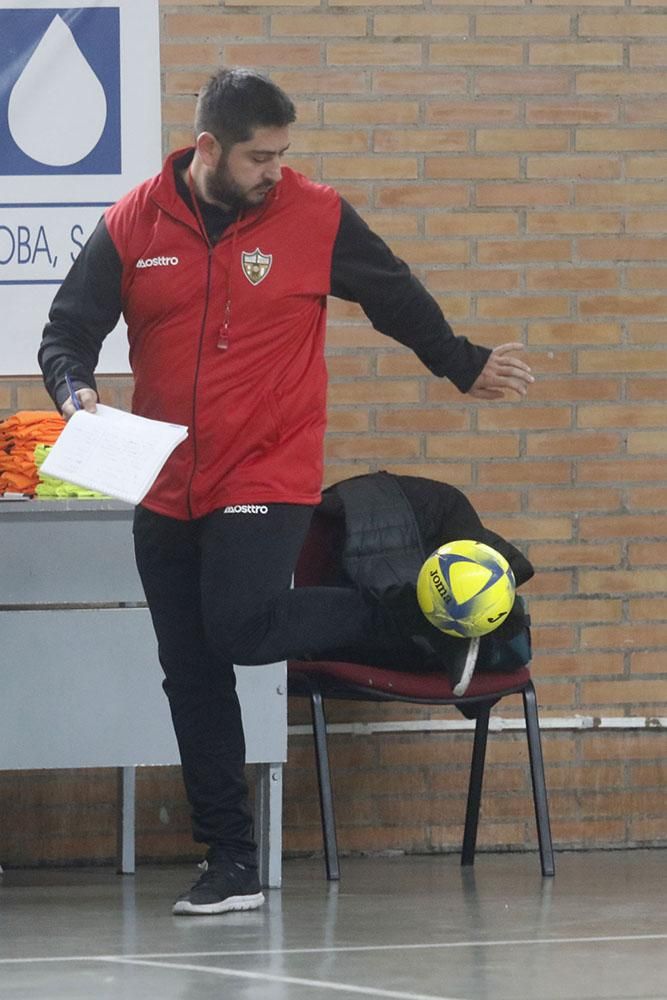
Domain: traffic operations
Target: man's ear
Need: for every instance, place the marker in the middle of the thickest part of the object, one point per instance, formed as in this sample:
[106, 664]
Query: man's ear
[208, 148]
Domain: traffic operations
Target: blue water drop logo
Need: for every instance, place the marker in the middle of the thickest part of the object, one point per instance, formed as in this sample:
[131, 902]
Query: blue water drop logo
[60, 122]
[60, 91]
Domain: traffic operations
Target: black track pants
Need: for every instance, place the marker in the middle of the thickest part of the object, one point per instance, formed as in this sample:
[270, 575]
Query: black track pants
[218, 589]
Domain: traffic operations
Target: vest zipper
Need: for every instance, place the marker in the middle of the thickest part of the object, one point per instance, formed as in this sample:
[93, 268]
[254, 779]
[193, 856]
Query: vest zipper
[200, 346]
[223, 332]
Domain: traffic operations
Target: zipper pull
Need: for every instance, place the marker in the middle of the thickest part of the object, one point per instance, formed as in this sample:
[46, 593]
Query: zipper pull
[223, 332]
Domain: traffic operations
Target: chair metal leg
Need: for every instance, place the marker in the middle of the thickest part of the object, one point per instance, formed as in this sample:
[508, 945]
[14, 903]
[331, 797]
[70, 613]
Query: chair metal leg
[539, 784]
[475, 786]
[325, 787]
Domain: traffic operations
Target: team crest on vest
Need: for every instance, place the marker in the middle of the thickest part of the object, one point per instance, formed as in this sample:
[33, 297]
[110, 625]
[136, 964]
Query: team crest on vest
[256, 265]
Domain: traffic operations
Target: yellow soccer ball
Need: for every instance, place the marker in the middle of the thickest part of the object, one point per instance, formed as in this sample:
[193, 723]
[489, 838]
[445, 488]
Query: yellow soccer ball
[466, 588]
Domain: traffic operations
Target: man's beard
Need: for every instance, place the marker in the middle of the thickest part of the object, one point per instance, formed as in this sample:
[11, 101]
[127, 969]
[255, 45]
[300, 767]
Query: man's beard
[221, 189]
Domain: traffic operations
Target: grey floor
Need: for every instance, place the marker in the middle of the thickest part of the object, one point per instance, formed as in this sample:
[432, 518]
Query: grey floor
[406, 928]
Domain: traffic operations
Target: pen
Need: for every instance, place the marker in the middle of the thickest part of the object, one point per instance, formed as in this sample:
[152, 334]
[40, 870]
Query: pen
[73, 396]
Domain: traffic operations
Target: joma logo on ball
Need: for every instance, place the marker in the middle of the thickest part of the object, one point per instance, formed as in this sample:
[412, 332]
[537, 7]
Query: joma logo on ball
[439, 585]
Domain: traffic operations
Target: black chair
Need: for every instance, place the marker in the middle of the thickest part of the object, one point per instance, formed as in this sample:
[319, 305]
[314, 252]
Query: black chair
[319, 680]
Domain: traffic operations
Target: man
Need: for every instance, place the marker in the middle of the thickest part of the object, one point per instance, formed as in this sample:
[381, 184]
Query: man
[221, 266]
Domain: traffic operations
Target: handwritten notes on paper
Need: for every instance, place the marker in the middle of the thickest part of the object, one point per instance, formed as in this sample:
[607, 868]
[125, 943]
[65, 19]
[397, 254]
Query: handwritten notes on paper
[113, 452]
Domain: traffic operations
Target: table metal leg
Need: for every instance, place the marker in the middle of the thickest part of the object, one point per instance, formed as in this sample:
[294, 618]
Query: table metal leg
[125, 826]
[269, 822]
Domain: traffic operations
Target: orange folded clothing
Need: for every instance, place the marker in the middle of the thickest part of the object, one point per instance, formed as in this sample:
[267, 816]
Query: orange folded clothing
[29, 424]
[17, 482]
[19, 435]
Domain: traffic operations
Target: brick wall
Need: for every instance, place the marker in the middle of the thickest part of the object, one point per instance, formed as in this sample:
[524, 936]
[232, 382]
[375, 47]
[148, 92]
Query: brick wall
[515, 156]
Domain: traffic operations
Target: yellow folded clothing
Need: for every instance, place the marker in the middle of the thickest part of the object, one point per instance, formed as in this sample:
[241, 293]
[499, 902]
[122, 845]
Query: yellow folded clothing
[57, 489]
[50, 488]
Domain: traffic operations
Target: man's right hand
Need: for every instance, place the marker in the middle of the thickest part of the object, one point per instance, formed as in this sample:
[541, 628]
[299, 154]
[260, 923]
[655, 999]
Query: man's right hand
[503, 372]
[88, 399]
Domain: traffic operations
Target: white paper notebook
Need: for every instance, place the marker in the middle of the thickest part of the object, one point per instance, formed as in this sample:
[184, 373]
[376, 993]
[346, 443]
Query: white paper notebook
[113, 452]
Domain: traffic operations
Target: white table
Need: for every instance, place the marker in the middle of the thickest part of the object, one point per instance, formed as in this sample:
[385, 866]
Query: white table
[81, 682]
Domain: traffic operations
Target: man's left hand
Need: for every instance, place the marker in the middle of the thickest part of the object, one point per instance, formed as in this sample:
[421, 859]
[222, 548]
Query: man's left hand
[503, 372]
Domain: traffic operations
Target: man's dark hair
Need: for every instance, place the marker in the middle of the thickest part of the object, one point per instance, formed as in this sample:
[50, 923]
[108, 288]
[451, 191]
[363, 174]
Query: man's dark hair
[235, 102]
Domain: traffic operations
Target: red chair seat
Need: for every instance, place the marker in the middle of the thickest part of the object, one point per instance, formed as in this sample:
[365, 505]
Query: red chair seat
[415, 687]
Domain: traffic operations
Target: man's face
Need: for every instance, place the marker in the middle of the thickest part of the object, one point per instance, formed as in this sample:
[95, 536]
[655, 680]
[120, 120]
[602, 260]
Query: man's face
[245, 174]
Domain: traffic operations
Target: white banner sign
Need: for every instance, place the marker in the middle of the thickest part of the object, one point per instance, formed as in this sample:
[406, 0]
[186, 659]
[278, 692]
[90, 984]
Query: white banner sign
[79, 126]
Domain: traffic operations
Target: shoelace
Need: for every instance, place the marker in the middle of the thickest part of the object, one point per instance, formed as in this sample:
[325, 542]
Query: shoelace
[208, 873]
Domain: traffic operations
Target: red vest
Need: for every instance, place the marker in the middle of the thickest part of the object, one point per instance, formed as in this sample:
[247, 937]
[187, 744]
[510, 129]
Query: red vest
[256, 411]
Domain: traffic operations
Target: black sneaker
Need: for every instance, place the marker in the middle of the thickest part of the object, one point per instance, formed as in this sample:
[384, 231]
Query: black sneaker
[508, 647]
[222, 887]
[458, 657]
[455, 655]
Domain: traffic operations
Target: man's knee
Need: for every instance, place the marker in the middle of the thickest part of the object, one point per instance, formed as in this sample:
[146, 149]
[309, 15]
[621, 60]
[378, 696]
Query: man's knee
[236, 640]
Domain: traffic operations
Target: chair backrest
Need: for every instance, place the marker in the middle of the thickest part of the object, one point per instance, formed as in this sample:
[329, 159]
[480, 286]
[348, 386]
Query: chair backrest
[319, 561]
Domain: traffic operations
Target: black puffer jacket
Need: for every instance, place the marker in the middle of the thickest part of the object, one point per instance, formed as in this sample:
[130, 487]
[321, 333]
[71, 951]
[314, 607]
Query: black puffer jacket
[389, 524]
[383, 527]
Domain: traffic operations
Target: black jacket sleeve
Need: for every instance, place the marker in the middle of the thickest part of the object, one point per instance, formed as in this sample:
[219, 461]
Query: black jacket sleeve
[365, 270]
[86, 308]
